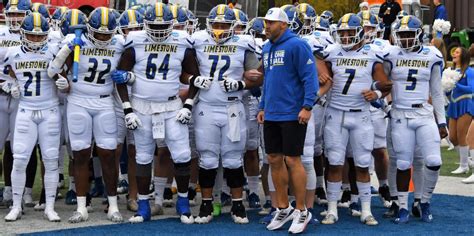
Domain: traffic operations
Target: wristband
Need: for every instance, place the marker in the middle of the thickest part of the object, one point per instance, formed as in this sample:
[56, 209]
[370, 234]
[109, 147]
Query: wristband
[379, 93]
[241, 85]
[189, 103]
[127, 107]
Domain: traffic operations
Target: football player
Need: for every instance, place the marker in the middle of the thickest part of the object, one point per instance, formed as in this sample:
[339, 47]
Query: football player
[354, 67]
[15, 12]
[38, 118]
[415, 71]
[219, 116]
[90, 108]
[153, 61]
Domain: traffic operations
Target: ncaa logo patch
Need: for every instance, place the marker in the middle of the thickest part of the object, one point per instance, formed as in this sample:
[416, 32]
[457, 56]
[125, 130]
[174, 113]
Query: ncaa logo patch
[426, 50]
[378, 43]
[175, 34]
[317, 34]
[235, 38]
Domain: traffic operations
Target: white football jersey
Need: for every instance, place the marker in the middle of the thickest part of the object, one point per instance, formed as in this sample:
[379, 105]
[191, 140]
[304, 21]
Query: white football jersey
[324, 37]
[411, 74]
[352, 74]
[7, 40]
[157, 64]
[95, 67]
[316, 46]
[221, 61]
[55, 38]
[38, 91]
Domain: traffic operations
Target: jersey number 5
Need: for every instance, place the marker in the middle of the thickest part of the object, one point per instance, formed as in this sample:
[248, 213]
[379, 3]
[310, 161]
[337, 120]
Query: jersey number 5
[411, 78]
[36, 78]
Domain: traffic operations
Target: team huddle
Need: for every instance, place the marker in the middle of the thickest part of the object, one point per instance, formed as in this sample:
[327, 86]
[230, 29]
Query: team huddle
[149, 79]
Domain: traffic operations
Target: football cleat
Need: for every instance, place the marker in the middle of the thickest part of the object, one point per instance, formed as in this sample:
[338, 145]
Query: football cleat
[52, 216]
[426, 215]
[78, 216]
[71, 198]
[345, 199]
[254, 201]
[460, 170]
[354, 209]
[182, 208]
[122, 187]
[416, 209]
[392, 211]
[115, 217]
[329, 219]
[226, 199]
[238, 213]
[28, 200]
[143, 212]
[300, 221]
[369, 220]
[39, 207]
[156, 210]
[403, 217]
[469, 180]
[266, 208]
[132, 205]
[98, 189]
[192, 196]
[168, 198]
[281, 217]
[384, 193]
[205, 212]
[13, 215]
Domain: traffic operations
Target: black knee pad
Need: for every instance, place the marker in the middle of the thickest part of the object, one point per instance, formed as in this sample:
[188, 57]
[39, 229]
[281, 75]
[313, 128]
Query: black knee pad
[143, 170]
[182, 169]
[207, 178]
[235, 177]
[433, 168]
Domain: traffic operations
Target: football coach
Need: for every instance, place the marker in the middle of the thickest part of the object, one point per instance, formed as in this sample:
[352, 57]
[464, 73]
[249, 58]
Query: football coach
[289, 92]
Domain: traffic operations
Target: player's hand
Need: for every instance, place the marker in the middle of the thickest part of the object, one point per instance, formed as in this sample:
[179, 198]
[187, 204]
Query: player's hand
[231, 85]
[202, 82]
[253, 74]
[62, 83]
[443, 132]
[324, 78]
[74, 42]
[184, 116]
[15, 91]
[369, 95]
[122, 77]
[261, 117]
[132, 121]
[304, 116]
[6, 86]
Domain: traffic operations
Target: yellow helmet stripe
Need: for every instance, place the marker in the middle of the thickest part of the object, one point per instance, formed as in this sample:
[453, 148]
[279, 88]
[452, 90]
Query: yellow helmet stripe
[74, 17]
[366, 15]
[63, 9]
[174, 10]
[303, 7]
[105, 16]
[221, 9]
[13, 2]
[159, 9]
[237, 15]
[404, 21]
[36, 20]
[131, 17]
[36, 6]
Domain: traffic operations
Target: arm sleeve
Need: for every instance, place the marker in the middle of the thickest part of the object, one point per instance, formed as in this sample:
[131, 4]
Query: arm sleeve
[469, 88]
[437, 94]
[261, 105]
[305, 64]
[251, 61]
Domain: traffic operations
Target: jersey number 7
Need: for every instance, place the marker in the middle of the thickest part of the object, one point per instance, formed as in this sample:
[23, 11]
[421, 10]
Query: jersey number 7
[351, 73]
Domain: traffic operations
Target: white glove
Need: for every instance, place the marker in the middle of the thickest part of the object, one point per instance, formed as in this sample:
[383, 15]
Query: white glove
[6, 86]
[15, 91]
[132, 121]
[202, 82]
[62, 83]
[184, 115]
[231, 85]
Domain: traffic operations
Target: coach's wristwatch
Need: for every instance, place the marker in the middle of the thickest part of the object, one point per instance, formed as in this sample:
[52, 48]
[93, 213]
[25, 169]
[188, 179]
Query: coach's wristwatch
[308, 108]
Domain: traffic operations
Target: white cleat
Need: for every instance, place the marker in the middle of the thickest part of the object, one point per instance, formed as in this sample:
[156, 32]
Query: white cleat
[13, 215]
[203, 219]
[300, 221]
[343, 204]
[240, 220]
[320, 201]
[136, 219]
[329, 219]
[40, 207]
[369, 220]
[387, 204]
[156, 210]
[460, 170]
[78, 217]
[115, 217]
[168, 203]
[469, 180]
[187, 219]
[28, 200]
[264, 211]
[52, 216]
[323, 213]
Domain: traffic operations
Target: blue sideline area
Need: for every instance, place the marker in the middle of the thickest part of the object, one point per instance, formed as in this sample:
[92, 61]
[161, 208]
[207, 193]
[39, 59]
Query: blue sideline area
[453, 215]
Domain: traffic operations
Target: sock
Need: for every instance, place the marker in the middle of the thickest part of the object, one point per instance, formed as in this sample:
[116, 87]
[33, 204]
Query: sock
[160, 184]
[29, 191]
[113, 207]
[143, 197]
[429, 184]
[18, 177]
[383, 182]
[333, 192]
[97, 167]
[365, 196]
[346, 186]
[72, 184]
[253, 183]
[418, 169]
[81, 204]
[168, 185]
[320, 181]
[183, 194]
[471, 153]
[354, 198]
[51, 178]
[392, 176]
[62, 154]
[463, 156]
[403, 200]
[271, 186]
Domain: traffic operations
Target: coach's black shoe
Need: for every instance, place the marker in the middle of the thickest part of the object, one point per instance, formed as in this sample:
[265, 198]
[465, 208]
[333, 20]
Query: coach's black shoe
[205, 212]
[392, 212]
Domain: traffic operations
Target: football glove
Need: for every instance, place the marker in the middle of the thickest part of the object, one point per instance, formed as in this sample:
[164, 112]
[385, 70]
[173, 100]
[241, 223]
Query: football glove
[201, 82]
[62, 83]
[123, 77]
[184, 115]
[231, 85]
